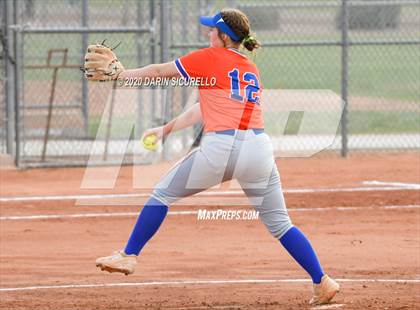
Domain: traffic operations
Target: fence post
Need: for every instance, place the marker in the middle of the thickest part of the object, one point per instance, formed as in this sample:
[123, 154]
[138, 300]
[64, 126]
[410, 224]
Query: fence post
[85, 92]
[165, 38]
[18, 72]
[153, 23]
[140, 124]
[184, 95]
[8, 53]
[344, 77]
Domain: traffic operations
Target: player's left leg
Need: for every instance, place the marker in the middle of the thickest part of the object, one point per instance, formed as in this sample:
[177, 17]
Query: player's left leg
[200, 169]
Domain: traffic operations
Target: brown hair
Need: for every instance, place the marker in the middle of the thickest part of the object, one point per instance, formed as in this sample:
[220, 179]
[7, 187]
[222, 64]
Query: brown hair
[239, 23]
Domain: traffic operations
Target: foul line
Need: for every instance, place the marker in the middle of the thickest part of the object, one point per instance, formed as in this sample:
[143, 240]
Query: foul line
[127, 214]
[396, 184]
[206, 307]
[213, 193]
[332, 306]
[196, 282]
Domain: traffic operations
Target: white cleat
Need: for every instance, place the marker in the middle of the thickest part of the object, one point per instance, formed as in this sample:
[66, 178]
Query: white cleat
[324, 291]
[118, 262]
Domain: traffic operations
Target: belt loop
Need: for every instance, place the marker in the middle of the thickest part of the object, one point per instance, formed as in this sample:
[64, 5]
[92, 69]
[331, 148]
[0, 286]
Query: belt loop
[229, 132]
[232, 132]
[258, 131]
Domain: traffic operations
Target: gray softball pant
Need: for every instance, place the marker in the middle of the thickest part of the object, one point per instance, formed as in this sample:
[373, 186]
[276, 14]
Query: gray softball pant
[245, 155]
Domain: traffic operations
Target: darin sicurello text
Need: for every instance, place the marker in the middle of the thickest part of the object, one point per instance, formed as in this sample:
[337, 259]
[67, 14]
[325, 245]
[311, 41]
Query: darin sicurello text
[159, 81]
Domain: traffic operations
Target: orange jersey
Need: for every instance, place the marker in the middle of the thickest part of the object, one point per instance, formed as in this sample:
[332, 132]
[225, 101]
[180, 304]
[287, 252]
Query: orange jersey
[233, 101]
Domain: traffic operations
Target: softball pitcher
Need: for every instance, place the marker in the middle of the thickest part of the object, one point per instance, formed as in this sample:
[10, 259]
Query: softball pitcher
[234, 145]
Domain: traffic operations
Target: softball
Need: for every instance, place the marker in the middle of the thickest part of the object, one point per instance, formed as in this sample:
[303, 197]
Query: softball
[150, 142]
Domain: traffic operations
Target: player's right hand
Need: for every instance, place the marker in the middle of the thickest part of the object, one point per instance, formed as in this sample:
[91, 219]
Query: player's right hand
[157, 131]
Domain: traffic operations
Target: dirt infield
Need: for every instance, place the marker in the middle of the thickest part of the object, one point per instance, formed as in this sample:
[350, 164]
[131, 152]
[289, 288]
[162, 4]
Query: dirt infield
[362, 214]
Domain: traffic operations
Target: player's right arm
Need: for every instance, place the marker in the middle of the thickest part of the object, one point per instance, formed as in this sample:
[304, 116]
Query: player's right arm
[190, 117]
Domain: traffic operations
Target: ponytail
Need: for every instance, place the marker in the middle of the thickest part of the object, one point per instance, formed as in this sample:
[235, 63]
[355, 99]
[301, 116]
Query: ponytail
[250, 43]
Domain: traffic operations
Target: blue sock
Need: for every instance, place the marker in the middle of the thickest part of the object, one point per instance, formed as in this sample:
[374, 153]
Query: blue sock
[148, 222]
[301, 250]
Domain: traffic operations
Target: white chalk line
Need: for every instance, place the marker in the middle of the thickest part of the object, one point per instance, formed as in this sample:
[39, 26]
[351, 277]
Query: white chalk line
[207, 194]
[396, 184]
[208, 307]
[86, 215]
[333, 306]
[197, 282]
[128, 214]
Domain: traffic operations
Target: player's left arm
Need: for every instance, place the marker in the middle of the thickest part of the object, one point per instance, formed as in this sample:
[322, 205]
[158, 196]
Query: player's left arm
[195, 64]
[102, 64]
[165, 70]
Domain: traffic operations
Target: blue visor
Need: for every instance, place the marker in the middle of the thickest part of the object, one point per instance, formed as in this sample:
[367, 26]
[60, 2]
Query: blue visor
[218, 22]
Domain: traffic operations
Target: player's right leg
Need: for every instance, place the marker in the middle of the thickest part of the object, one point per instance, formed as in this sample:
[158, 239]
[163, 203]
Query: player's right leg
[260, 180]
[270, 203]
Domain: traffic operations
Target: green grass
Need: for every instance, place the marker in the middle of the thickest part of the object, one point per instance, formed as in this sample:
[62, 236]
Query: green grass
[390, 72]
[37, 46]
[359, 122]
[380, 122]
[120, 127]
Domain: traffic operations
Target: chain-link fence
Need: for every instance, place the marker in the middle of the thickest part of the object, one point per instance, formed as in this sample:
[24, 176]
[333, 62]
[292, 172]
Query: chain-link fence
[59, 112]
[370, 59]
[361, 54]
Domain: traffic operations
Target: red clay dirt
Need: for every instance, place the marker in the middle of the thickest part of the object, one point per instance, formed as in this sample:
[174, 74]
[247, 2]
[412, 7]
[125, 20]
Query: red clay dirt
[369, 242]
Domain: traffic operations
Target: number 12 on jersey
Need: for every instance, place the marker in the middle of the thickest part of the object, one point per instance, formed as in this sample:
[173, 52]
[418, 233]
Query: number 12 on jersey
[250, 90]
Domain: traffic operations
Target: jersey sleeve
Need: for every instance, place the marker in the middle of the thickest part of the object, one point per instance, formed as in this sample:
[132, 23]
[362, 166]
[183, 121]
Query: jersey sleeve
[195, 64]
